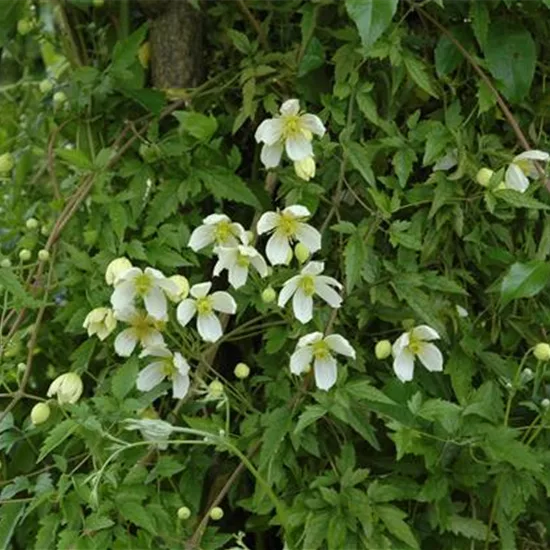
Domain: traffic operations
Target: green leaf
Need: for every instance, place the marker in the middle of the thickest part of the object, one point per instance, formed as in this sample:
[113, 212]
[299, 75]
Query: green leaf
[10, 283]
[277, 425]
[125, 378]
[354, 254]
[311, 414]
[447, 56]
[10, 514]
[57, 435]
[470, 528]
[359, 159]
[418, 71]
[240, 41]
[200, 126]
[371, 17]
[76, 158]
[314, 57]
[403, 161]
[224, 184]
[393, 517]
[511, 57]
[524, 280]
[45, 537]
[520, 200]
[135, 513]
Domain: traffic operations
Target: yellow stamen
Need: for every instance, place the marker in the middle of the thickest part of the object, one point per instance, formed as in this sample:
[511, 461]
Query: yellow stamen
[204, 305]
[288, 225]
[223, 232]
[143, 284]
[168, 368]
[415, 345]
[307, 283]
[142, 326]
[243, 261]
[321, 350]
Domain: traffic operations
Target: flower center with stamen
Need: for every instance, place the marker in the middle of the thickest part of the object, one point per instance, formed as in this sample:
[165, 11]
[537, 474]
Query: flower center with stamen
[141, 324]
[307, 283]
[320, 350]
[204, 305]
[524, 165]
[168, 368]
[143, 284]
[291, 126]
[288, 225]
[415, 345]
[223, 232]
[243, 261]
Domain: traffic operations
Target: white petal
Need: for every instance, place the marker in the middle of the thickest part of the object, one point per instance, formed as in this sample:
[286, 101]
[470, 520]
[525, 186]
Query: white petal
[278, 249]
[534, 154]
[260, 265]
[209, 327]
[130, 274]
[126, 314]
[214, 219]
[298, 147]
[300, 360]
[289, 288]
[329, 295]
[515, 179]
[431, 357]
[181, 364]
[201, 237]
[180, 385]
[309, 339]
[271, 154]
[297, 210]
[309, 237]
[155, 303]
[267, 222]
[290, 107]
[185, 312]
[323, 279]
[424, 332]
[155, 351]
[125, 342]
[340, 345]
[400, 344]
[200, 290]
[227, 257]
[150, 377]
[325, 372]
[312, 123]
[403, 365]
[224, 302]
[302, 306]
[123, 296]
[313, 268]
[238, 276]
[152, 338]
[269, 131]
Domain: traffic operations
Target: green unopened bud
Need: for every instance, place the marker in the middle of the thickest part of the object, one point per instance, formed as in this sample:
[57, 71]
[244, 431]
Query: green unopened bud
[6, 163]
[301, 252]
[215, 389]
[305, 168]
[526, 376]
[21, 367]
[116, 269]
[31, 223]
[242, 370]
[483, 176]
[184, 513]
[45, 86]
[43, 255]
[382, 350]
[24, 26]
[216, 513]
[6, 262]
[545, 403]
[59, 98]
[25, 255]
[542, 351]
[40, 413]
[269, 295]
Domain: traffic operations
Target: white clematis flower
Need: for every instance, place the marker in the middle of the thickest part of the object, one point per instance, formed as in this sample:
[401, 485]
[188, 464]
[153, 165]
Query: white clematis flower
[314, 347]
[291, 131]
[67, 387]
[100, 321]
[167, 365]
[522, 168]
[304, 286]
[237, 260]
[216, 229]
[115, 269]
[151, 285]
[305, 168]
[416, 343]
[204, 305]
[287, 226]
[143, 329]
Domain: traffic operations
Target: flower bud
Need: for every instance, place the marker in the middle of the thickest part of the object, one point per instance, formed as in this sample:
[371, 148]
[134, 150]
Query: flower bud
[305, 168]
[24, 26]
[542, 351]
[59, 98]
[115, 269]
[545, 403]
[6, 262]
[268, 295]
[184, 513]
[100, 321]
[242, 370]
[43, 255]
[45, 86]
[40, 413]
[21, 367]
[68, 387]
[31, 223]
[483, 176]
[382, 350]
[183, 288]
[461, 312]
[25, 255]
[6, 163]
[526, 376]
[215, 389]
[216, 513]
[301, 252]
[144, 54]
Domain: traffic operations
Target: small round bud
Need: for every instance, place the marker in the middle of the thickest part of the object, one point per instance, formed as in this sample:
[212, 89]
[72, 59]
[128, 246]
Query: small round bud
[31, 223]
[25, 255]
[216, 513]
[45, 86]
[268, 295]
[184, 513]
[40, 413]
[6, 163]
[115, 269]
[59, 98]
[545, 403]
[301, 253]
[45, 230]
[21, 367]
[526, 376]
[382, 350]
[182, 285]
[242, 370]
[24, 26]
[6, 262]
[542, 351]
[43, 255]
[215, 389]
[305, 168]
[483, 176]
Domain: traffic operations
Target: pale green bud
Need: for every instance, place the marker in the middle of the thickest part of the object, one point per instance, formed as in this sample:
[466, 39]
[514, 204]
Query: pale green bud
[68, 387]
[6, 262]
[31, 223]
[45, 86]
[216, 513]
[184, 513]
[183, 288]
[301, 252]
[305, 168]
[483, 176]
[59, 98]
[43, 255]
[25, 255]
[242, 370]
[268, 295]
[6, 163]
[542, 351]
[115, 269]
[40, 413]
[24, 26]
[21, 367]
[545, 403]
[215, 389]
[382, 350]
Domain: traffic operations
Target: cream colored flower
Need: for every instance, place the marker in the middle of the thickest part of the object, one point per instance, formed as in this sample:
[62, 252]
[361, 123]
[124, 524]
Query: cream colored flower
[100, 321]
[143, 329]
[217, 229]
[115, 269]
[305, 168]
[522, 168]
[67, 387]
[182, 285]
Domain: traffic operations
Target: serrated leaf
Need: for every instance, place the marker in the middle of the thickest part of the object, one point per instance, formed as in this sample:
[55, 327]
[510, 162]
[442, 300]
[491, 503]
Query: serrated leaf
[311, 414]
[135, 513]
[354, 255]
[224, 184]
[10, 283]
[125, 378]
[371, 17]
[200, 126]
[76, 158]
[470, 528]
[524, 280]
[240, 41]
[57, 435]
[393, 519]
[277, 425]
[359, 159]
[45, 537]
[520, 200]
[418, 71]
[10, 514]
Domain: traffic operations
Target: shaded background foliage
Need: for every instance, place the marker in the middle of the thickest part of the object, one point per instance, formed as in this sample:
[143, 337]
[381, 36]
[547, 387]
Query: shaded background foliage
[453, 460]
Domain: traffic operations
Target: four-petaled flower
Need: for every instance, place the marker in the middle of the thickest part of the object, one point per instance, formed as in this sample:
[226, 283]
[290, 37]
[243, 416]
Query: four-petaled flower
[143, 329]
[522, 168]
[100, 321]
[216, 229]
[287, 226]
[416, 343]
[237, 261]
[291, 131]
[304, 286]
[318, 348]
[150, 285]
[167, 365]
[204, 305]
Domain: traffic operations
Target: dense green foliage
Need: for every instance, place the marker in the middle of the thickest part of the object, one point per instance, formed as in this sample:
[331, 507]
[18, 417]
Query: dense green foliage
[111, 167]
